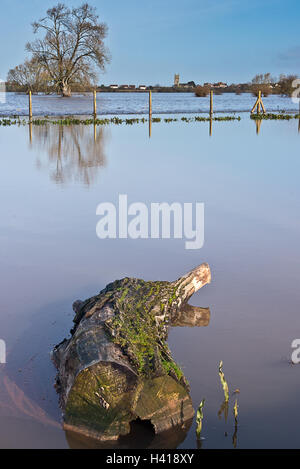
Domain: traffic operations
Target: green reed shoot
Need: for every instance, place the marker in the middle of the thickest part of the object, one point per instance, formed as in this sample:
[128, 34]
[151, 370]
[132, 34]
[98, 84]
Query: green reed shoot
[235, 411]
[223, 382]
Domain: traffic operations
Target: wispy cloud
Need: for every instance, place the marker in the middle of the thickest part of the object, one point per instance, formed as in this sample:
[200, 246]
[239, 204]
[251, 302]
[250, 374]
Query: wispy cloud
[290, 56]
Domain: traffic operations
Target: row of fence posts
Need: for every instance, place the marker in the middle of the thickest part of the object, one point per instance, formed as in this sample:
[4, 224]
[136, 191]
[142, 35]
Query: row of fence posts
[259, 103]
[258, 106]
[30, 105]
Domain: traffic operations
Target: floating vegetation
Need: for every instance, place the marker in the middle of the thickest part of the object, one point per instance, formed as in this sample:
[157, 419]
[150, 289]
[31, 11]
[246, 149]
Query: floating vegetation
[217, 119]
[223, 382]
[282, 116]
[199, 418]
[69, 120]
[170, 119]
[8, 122]
[132, 121]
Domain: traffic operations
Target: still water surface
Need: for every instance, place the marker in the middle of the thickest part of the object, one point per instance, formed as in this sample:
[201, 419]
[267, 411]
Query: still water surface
[50, 256]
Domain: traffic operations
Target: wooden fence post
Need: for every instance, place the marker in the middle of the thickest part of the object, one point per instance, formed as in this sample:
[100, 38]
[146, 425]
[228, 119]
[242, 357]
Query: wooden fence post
[30, 106]
[95, 104]
[211, 110]
[258, 103]
[150, 103]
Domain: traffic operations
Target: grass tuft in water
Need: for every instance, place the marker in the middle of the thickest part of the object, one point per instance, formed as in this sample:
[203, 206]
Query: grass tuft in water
[235, 411]
[199, 418]
[223, 382]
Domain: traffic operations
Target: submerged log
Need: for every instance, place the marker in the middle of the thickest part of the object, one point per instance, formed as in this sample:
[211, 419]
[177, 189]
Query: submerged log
[117, 366]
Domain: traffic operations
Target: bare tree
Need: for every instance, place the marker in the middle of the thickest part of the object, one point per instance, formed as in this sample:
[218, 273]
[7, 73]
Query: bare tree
[72, 45]
[30, 75]
[265, 79]
[285, 84]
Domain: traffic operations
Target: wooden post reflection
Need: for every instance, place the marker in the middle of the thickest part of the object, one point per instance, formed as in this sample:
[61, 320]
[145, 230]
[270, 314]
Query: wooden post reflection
[95, 132]
[30, 132]
[59, 166]
[150, 126]
[210, 127]
[258, 125]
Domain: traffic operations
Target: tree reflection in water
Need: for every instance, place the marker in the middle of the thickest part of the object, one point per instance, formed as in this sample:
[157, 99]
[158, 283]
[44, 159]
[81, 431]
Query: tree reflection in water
[74, 152]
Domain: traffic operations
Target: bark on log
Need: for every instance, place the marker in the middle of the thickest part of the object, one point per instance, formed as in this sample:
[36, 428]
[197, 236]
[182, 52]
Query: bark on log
[117, 366]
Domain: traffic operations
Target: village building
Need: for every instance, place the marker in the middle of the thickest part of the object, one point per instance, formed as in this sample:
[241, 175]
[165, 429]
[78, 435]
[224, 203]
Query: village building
[220, 84]
[189, 84]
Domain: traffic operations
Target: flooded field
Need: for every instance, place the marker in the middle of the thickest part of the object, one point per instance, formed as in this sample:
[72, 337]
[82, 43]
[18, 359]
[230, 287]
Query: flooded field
[137, 103]
[51, 182]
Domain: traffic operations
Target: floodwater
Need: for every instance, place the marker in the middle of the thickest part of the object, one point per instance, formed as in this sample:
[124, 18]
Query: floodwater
[50, 186]
[137, 103]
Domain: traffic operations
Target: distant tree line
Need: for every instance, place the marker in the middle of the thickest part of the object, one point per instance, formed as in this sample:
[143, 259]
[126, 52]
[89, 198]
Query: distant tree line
[269, 85]
[261, 82]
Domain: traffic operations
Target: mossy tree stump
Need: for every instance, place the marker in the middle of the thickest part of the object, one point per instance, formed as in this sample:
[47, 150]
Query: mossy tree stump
[117, 366]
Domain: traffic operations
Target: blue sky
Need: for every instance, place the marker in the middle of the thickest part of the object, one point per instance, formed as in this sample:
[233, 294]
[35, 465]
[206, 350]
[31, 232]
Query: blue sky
[203, 40]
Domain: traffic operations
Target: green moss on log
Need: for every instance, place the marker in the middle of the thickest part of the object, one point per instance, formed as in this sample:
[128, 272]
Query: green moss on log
[117, 365]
